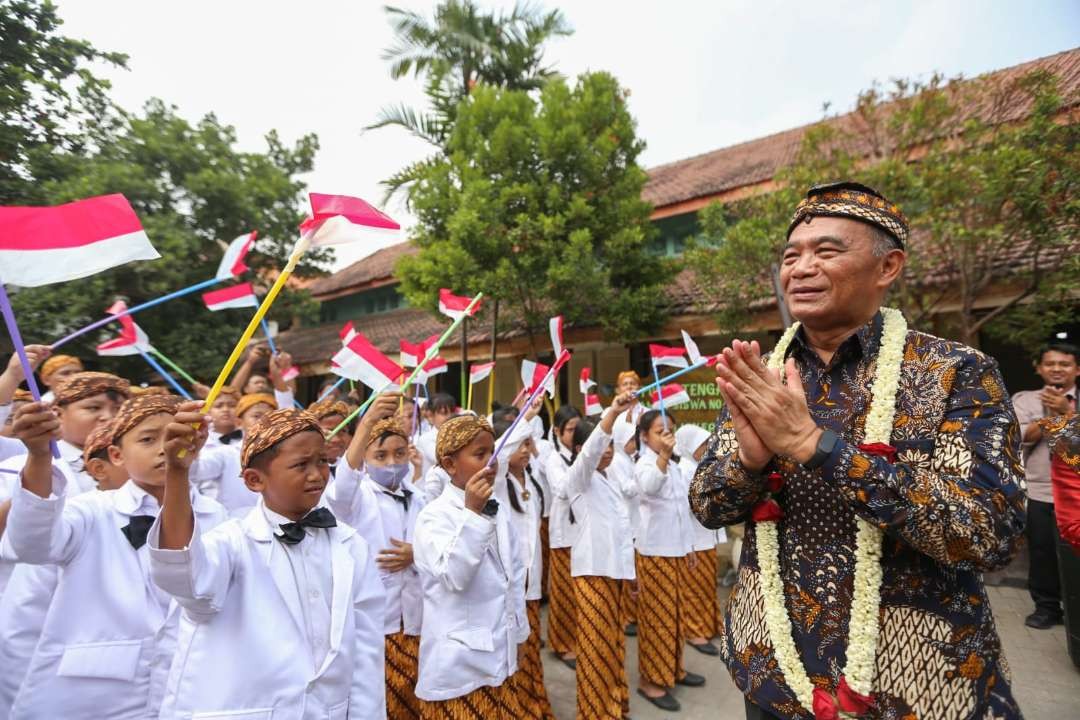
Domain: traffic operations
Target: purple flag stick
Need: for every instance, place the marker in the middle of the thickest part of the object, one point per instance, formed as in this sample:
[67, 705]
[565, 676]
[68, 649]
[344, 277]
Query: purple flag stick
[20, 350]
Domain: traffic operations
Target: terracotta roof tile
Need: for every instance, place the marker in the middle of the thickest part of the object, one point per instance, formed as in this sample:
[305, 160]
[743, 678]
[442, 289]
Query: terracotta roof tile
[377, 266]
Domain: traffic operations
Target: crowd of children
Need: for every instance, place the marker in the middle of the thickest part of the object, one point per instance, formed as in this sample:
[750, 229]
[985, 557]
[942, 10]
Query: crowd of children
[159, 562]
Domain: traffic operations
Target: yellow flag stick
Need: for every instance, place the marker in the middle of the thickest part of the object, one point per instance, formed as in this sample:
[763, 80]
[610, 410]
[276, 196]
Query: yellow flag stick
[468, 404]
[491, 390]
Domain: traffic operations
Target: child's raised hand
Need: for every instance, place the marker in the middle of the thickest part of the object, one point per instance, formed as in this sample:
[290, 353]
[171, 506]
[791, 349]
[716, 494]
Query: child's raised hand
[386, 405]
[478, 490]
[416, 460]
[623, 402]
[185, 435]
[36, 354]
[667, 444]
[534, 408]
[35, 424]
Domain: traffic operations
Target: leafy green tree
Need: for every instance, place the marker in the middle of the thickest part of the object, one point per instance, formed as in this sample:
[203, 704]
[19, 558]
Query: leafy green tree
[47, 94]
[193, 191]
[986, 171]
[537, 203]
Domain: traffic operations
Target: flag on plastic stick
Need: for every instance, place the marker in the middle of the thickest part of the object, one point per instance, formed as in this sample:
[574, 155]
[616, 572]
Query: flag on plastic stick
[132, 340]
[593, 405]
[234, 296]
[585, 382]
[533, 373]
[664, 355]
[434, 366]
[555, 326]
[290, 373]
[348, 332]
[44, 245]
[337, 219]
[692, 351]
[455, 306]
[360, 360]
[479, 372]
[413, 353]
[232, 262]
[671, 395]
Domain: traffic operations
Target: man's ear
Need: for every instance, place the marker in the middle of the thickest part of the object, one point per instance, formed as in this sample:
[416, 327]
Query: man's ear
[116, 457]
[254, 479]
[892, 266]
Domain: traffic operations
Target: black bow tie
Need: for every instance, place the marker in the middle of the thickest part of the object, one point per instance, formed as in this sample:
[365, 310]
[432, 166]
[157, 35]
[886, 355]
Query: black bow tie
[293, 532]
[491, 507]
[137, 528]
[227, 438]
[403, 498]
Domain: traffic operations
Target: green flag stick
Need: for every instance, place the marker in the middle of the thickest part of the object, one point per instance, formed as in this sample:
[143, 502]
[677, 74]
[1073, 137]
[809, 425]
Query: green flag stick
[431, 352]
[176, 368]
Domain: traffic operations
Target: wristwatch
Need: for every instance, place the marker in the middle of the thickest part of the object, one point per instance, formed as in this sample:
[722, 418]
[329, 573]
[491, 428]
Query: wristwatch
[825, 445]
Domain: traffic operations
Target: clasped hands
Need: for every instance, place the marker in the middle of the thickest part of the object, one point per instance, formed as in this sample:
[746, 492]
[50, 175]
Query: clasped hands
[770, 417]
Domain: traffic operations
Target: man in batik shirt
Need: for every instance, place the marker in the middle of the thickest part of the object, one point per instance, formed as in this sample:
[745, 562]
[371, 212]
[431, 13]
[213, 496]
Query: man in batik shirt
[947, 491]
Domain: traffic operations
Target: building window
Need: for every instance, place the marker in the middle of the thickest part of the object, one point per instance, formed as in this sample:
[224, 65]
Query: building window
[370, 302]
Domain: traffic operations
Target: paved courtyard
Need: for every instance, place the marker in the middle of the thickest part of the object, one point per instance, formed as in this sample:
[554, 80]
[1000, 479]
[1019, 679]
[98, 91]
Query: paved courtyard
[1046, 683]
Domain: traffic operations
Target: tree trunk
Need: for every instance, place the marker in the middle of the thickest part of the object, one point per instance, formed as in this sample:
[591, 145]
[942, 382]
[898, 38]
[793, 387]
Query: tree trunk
[494, 329]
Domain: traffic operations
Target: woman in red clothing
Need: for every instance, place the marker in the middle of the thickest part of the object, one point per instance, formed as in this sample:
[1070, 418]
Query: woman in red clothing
[1063, 434]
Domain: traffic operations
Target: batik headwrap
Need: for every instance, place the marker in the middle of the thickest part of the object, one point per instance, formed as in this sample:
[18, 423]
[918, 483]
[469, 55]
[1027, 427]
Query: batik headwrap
[274, 427]
[139, 391]
[99, 439]
[247, 402]
[88, 384]
[856, 201]
[56, 362]
[137, 409]
[457, 432]
[326, 408]
[386, 426]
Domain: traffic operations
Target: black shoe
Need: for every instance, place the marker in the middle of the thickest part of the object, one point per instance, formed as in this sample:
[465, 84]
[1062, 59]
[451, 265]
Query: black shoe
[631, 630]
[569, 662]
[705, 648]
[1042, 620]
[691, 680]
[664, 702]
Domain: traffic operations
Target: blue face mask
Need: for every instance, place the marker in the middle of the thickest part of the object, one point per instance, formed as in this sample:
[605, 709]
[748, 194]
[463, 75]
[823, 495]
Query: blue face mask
[389, 476]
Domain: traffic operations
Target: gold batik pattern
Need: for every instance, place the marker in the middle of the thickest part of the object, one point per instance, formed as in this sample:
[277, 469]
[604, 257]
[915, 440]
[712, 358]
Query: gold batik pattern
[660, 636]
[402, 668]
[562, 611]
[701, 610]
[602, 689]
[486, 703]
[628, 603]
[529, 679]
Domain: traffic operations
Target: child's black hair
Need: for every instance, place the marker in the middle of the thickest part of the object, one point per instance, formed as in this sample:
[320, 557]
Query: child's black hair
[506, 414]
[581, 433]
[501, 426]
[644, 424]
[442, 401]
[563, 415]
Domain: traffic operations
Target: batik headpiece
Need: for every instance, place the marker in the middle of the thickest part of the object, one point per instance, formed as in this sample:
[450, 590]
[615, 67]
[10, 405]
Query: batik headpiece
[99, 439]
[247, 402]
[137, 409]
[274, 427]
[56, 362]
[139, 391]
[386, 426]
[326, 408]
[457, 432]
[88, 384]
[856, 201]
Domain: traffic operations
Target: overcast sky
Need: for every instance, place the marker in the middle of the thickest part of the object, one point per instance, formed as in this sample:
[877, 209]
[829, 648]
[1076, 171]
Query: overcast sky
[702, 75]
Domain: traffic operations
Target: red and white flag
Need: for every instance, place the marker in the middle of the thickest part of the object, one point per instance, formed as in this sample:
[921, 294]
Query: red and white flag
[454, 306]
[532, 374]
[363, 362]
[692, 351]
[593, 405]
[131, 340]
[337, 219]
[664, 355]
[555, 326]
[234, 296]
[584, 382]
[672, 394]
[480, 371]
[413, 353]
[434, 366]
[348, 332]
[232, 262]
[43, 245]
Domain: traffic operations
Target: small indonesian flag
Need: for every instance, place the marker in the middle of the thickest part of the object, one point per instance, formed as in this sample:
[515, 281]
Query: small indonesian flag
[585, 383]
[44, 245]
[362, 361]
[454, 306]
[131, 340]
[593, 405]
[348, 332]
[235, 296]
[434, 366]
[291, 373]
[664, 355]
[412, 354]
[555, 325]
[532, 374]
[232, 262]
[480, 371]
[337, 219]
[671, 395]
[692, 351]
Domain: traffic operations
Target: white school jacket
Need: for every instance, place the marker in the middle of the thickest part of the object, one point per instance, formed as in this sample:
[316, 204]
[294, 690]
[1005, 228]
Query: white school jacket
[23, 608]
[702, 538]
[543, 449]
[474, 597]
[561, 530]
[359, 501]
[605, 547]
[242, 651]
[526, 528]
[216, 473]
[665, 508]
[107, 639]
[433, 482]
